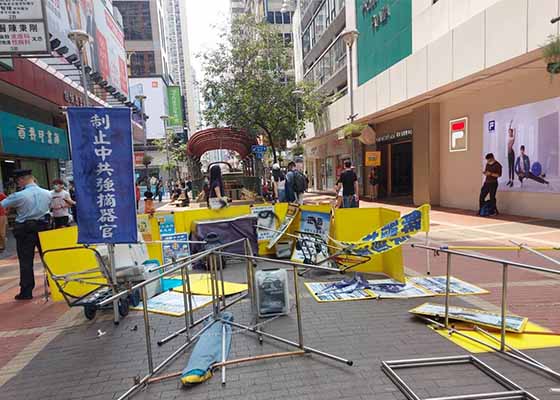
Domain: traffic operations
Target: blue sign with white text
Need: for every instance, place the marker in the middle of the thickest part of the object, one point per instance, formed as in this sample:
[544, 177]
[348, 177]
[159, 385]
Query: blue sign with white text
[103, 174]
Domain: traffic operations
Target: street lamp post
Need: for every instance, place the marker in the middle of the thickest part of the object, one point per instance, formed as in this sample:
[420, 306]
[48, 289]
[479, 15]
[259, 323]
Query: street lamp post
[165, 118]
[80, 38]
[298, 93]
[349, 38]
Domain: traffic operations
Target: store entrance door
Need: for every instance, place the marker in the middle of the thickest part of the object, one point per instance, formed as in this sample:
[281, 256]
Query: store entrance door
[401, 169]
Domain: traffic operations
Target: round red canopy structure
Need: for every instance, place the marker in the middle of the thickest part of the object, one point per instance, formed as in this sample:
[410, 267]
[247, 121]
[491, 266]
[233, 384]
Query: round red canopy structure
[220, 138]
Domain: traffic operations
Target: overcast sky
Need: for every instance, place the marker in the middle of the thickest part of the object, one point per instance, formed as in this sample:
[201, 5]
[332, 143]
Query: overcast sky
[204, 19]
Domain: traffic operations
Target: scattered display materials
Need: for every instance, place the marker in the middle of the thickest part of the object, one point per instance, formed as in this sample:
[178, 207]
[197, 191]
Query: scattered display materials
[172, 304]
[514, 323]
[311, 250]
[291, 215]
[533, 337]
[326, 292]
[392, 289]
[437, 284]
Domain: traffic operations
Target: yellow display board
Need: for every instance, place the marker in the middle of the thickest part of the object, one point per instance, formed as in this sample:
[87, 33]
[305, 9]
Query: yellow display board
[64, 262]
[519, 341]
[352, 224]
[202, 285]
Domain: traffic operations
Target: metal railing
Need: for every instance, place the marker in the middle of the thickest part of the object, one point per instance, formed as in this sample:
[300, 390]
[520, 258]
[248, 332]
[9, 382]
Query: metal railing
[215, 266]
[505, 264]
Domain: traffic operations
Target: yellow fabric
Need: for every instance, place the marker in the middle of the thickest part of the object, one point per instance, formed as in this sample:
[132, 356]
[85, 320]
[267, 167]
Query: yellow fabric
[201, 284]
[192, 379]
[519, 341]
[64, 262]
[352, 224]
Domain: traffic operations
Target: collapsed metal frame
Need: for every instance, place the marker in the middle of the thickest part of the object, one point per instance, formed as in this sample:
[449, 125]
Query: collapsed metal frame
[514, 392]
[503, 346]
[219, 303]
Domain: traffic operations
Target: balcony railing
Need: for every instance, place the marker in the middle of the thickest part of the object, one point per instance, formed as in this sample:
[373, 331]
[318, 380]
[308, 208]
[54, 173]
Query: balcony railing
[330, 62]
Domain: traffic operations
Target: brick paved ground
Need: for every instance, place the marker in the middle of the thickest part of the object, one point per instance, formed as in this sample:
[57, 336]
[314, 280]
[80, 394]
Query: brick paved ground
[66, 360]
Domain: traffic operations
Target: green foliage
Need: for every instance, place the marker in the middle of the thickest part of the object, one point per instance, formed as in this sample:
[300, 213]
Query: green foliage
[246, 85]
[551, 54]
[147, 160]
[351, 129]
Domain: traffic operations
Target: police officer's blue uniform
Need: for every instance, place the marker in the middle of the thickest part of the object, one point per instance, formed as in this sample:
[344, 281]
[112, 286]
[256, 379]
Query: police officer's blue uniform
[32, 205]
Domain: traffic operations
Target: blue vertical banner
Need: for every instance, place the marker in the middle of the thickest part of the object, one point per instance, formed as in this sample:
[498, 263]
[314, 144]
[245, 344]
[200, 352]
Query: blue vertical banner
[102, 159]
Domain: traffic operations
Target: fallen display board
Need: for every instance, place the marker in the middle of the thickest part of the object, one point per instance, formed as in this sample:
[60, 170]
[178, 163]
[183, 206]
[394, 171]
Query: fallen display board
[291, 215]
[437, 284]
[325, 292]
[534, 337]
[309, 249]
[201, 285]
[172, 303]
[475, 316]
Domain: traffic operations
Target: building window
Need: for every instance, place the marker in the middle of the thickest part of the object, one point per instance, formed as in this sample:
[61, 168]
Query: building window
[287, 17]
[288, 39]
[143, 63]
[137, 21]
[278, 17]
[325, 16]
[270, 17]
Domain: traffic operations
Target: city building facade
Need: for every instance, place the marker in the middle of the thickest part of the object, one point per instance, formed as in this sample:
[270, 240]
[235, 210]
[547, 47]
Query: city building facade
[35, 90]
[440, 84]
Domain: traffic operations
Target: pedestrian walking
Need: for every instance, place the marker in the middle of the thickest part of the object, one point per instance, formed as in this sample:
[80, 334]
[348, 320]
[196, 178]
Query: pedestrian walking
[159, 190]
[278, 183]
[3, 224]
[72, 191]
[149, 207]
[32, 206]
[60, 204]
[348, 181]
[492, 172]
[290, 183]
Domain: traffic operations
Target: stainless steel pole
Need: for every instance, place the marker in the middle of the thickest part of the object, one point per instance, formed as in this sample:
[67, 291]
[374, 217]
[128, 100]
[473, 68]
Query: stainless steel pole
[504, 307]
[147, 330]
[112, 264]
[221, 264]
[447, 289]
[298, 308]
[223, 353]
[190, 294]
[186, 303]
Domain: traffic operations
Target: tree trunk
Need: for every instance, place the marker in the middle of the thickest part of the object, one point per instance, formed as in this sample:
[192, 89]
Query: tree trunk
[269, 135]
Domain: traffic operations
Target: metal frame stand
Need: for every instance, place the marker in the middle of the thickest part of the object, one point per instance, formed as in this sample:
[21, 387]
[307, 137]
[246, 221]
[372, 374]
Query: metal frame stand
[502, 347]
[218, 305]
[514, 391]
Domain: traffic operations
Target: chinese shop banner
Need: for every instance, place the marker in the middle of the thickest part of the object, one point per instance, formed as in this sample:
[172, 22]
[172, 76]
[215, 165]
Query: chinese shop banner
[101, 141]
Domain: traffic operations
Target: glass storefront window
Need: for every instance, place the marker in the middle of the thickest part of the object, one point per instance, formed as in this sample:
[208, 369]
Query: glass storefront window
[329, 173]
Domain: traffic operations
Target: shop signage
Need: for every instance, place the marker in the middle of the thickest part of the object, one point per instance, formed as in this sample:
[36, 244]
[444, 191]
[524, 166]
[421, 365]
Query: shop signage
[25, 137]
[138, 157]
[175, 108]
[379, 17]
[373, 158]
[23, 28]
[395, 136]
[74, 99]
[458, 134]
[103, 174]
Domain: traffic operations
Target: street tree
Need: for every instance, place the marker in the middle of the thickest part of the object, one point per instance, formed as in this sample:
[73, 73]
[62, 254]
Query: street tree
[249, 85]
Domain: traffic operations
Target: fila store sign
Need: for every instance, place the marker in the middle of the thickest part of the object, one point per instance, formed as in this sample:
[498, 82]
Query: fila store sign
[458, 134]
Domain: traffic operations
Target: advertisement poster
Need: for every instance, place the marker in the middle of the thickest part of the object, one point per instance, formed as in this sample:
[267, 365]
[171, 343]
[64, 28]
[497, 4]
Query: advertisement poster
[166, 224]
[175, 247]
[437, 285]
[525, 140]
[266, 219]
[175, 106]
[514, 323]
[102, 161]
[283, 228]
[392, 289]
[172, 303]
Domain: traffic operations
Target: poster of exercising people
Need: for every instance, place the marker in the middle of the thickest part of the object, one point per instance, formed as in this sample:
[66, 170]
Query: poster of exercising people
[525, 140]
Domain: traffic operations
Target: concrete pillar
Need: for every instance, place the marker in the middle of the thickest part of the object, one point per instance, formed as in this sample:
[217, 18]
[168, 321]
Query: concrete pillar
[426, 154]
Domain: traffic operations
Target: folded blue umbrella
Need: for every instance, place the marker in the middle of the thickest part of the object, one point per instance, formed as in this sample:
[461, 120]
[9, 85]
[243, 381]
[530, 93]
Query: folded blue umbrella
[348, 285]
[207, 351]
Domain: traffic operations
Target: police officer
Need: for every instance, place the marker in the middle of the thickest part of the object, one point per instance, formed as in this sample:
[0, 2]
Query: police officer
[32, 205]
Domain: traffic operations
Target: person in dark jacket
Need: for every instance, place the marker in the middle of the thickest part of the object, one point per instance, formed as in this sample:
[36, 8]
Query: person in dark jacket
[523, 168]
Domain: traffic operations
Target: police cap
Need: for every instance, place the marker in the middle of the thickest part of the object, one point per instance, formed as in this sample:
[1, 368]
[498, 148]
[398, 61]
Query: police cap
[18, 173]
